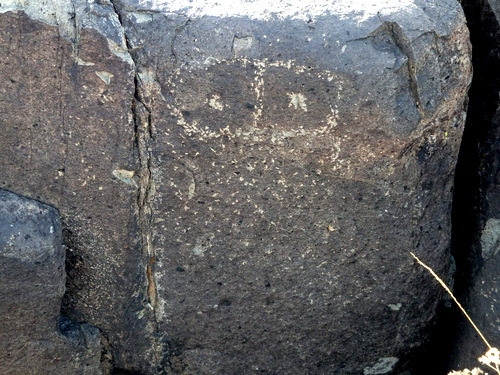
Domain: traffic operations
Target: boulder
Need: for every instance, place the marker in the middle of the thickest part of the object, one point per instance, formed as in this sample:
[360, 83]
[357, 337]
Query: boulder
[296, 157]
[34, 338]
[240, 187]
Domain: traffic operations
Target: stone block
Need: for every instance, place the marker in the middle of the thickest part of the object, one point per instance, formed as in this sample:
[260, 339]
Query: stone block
[34, 338]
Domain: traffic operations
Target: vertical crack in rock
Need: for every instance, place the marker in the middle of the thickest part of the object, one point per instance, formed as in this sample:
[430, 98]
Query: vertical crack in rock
[62, 114]
[143, 136]
[404, 45]
[75, 37]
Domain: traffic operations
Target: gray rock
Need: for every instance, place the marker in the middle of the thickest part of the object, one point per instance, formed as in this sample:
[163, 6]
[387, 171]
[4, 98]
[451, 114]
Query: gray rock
[34, 339]
[240, 194]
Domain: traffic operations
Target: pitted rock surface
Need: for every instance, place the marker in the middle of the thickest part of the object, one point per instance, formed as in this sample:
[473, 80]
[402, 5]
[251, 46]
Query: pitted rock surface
[240, 188]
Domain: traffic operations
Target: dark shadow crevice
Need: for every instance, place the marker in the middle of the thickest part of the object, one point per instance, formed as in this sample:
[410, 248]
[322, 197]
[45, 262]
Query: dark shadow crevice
[469, 203]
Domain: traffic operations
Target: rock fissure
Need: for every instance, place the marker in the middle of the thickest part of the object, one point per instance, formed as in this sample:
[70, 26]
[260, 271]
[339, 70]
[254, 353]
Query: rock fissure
[143, 136]
[75, 41]
[62, 171]
[404, 45]
[142, 123]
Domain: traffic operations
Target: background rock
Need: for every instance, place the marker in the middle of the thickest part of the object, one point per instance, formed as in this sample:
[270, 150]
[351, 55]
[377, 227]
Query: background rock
[240, 193]
[34, 339]
[477, 205]
[68, 140]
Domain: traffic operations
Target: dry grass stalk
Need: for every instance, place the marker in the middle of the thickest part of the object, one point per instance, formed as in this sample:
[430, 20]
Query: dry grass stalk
[492, 356]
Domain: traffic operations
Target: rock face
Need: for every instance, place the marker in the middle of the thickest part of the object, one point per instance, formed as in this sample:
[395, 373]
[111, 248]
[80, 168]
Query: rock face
[68, 140]
[34, 339]
[482, 221]
[240, 188]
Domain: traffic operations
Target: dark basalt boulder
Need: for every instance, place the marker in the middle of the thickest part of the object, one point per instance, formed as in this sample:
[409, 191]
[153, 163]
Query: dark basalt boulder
[240, 187]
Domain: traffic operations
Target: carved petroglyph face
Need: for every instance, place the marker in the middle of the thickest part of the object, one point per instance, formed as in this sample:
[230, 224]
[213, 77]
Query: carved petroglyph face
[277, 108]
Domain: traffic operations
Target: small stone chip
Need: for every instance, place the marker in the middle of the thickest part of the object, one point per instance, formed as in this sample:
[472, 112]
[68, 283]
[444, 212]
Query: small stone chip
[125, 176]
[383, 366]
[105, 76]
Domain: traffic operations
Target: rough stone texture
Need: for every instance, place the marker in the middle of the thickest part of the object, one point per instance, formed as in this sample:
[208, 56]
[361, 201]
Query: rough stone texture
[34, 339]
[240, 193]
[68, 139]
[296, 159]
